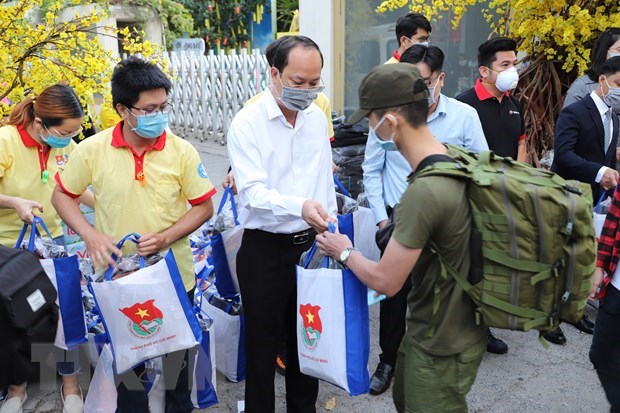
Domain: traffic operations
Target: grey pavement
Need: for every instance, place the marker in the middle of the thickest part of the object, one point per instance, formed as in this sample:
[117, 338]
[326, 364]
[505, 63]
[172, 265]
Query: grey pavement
[529, 379]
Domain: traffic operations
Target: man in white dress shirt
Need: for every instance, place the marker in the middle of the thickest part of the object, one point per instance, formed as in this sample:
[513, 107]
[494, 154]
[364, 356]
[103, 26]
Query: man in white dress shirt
[281, 159]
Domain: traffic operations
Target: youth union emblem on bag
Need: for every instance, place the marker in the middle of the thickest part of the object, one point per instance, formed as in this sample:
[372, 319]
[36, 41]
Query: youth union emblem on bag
[145, 319]
[312, 327]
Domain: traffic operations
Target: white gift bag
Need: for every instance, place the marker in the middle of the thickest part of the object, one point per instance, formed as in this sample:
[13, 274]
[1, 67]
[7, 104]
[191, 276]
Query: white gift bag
[228, 337]
[102, 395]
[333, 333]
[147, 314]
[64, 273]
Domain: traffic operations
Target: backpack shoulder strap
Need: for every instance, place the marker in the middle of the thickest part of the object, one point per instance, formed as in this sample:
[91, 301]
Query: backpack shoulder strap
[443, 165]
[431, 160]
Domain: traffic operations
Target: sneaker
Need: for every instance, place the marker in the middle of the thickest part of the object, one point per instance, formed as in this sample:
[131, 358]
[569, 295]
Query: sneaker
[13, 405]
[72, 403]
[281, 363]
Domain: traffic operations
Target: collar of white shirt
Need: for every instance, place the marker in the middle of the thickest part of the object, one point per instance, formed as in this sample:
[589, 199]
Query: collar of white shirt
[440, 109]
[600, 105]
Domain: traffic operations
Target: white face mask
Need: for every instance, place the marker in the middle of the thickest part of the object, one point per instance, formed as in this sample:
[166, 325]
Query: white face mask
[507, 80]
[612, 98]
[431, 93]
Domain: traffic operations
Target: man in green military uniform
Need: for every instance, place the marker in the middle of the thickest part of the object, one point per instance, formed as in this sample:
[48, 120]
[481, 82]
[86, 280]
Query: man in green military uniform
[440, 354]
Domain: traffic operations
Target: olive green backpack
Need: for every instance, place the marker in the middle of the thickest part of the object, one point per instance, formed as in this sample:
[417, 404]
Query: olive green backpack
[533, 245]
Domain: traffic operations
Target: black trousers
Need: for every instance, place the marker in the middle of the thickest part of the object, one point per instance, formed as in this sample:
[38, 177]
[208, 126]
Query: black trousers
[605, 349]
[392, 314]
[131, 393]
[267, 279]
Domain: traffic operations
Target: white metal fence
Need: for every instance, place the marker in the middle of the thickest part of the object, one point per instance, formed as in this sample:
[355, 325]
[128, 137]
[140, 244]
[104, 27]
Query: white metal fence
[209, 90]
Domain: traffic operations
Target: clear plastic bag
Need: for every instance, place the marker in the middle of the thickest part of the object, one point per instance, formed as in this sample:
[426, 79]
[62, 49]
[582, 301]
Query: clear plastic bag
[362, 200]
[45, 247]
[87, 269]
[129, 264]
[345, 204]
[225, 219]
[603, 206]
[317, 261]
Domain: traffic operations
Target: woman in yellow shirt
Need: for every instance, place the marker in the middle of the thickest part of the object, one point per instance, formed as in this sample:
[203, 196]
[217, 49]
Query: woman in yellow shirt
[34, 145]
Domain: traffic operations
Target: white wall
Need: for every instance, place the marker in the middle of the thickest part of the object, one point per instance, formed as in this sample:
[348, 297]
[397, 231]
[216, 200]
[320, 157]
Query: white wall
[147, 16]
[316, 22]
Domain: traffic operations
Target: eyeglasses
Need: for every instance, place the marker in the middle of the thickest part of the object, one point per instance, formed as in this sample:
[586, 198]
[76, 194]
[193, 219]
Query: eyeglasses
[320, 86]
[165, 108]
[61, 136]
[422, 41]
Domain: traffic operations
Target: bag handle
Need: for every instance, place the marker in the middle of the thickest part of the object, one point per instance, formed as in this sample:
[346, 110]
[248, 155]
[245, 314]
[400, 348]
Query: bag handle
[228, 192]
[34, 232]
[331, 228]
[133, 237]
[206, 272]
[601, 199]
[341, 187]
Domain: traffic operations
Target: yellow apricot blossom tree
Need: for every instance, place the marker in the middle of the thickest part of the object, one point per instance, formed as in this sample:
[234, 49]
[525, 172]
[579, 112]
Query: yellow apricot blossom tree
[37, 50]
[556, 37]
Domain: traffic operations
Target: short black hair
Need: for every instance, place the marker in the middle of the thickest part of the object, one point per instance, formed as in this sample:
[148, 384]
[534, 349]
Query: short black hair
[409, 24]
[133, 76]
[598, 54]
[415, 113]
[270, 50]
[431, 55]
[610, 67]
[488, 50]
[287, 43]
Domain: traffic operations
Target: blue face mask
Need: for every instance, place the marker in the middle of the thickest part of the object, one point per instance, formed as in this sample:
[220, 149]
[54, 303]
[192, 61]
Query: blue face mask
[613, 54]
[388, 145]
[150, 127]
[54, 141]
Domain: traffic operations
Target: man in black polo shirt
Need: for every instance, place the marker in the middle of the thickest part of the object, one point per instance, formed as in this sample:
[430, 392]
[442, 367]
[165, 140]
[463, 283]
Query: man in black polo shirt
[499, 112]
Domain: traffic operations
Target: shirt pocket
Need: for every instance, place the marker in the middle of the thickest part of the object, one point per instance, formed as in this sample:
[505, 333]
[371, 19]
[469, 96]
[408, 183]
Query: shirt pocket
[168, 198]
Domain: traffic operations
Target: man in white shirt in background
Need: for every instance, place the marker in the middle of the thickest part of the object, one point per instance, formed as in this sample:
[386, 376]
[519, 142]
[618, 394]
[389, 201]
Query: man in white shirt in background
[385, 180]
[281, 159]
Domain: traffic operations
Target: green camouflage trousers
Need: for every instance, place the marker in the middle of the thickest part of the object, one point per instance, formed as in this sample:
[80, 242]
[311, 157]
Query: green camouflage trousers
[430, 384]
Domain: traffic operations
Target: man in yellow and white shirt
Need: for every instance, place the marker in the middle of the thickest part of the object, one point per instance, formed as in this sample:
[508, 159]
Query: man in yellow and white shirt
[143, 178]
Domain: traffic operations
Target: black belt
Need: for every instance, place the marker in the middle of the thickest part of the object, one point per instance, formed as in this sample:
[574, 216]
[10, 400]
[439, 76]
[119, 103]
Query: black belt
[297, 238]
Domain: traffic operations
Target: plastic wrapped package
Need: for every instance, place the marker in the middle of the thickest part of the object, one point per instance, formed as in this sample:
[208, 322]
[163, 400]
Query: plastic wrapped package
[87, 269]
[317, 261]
[45, 248]
[345, 204]
[129, 264]
[225, 219]
[362, 200]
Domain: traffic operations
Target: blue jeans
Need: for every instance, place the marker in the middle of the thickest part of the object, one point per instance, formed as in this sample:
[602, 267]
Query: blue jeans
[605, 349]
